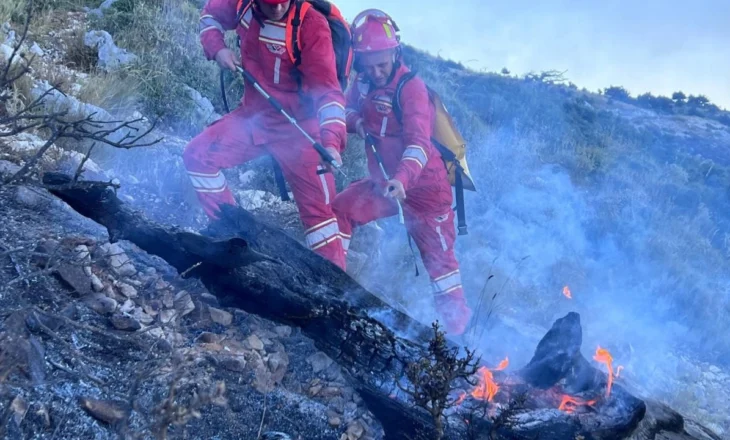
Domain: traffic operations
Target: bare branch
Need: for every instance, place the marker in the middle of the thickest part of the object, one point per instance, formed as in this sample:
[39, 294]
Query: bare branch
[80, 168]
[127, 142]
[30, 163]
[263, 417]
[26, 27]
[33, 116]
[37, 273]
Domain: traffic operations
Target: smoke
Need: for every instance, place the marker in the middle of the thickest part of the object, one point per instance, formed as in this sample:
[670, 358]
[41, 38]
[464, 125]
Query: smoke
[643, 275]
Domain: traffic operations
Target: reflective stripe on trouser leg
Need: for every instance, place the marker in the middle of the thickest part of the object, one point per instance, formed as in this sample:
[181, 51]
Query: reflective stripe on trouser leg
[322, 234]
[207, 182]
[345, 241]
[447, 283]
[450, 302]
[313, 195]
[212, 191]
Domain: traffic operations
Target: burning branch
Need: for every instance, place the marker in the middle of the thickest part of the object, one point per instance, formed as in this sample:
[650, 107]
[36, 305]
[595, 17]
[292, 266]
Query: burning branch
[603, 356]
[488, 388]
[570, 403]
[433, 375]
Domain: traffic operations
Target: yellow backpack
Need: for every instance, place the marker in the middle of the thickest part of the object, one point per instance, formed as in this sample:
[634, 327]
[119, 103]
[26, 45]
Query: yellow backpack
[449, 142]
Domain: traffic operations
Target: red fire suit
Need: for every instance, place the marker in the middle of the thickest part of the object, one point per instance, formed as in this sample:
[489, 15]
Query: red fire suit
[256, 128]
[409, 156]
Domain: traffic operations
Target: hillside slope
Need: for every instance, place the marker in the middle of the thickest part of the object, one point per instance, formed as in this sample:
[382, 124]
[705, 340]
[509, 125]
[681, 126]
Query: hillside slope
[624, 204]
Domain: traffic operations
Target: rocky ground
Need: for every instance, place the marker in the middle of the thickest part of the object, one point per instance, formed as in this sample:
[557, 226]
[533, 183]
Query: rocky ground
[107, 330]
[93, 331]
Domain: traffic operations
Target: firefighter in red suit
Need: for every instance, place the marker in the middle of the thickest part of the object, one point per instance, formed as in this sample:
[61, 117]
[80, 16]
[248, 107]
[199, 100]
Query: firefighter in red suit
[418, 177]
[309, 92]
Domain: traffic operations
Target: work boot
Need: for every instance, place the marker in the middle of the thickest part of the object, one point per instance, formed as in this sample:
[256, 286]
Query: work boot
[454, 312]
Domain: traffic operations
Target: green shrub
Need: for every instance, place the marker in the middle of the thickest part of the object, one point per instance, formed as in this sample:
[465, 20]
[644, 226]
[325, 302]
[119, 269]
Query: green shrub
[163, 34]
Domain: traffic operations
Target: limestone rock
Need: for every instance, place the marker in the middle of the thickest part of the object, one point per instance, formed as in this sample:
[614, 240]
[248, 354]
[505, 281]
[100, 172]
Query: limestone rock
[236, 364]
[19, 407]
[255, 343]
[32, 198]
[7, 168]
[101, 304]
[105, 410]
[283, 331]
[111, 57]
[204, 109]
[127, 290]
[96, 283]
[118, 259]
[319, 362]
[183, 303]
[220, 316]
[125, 322]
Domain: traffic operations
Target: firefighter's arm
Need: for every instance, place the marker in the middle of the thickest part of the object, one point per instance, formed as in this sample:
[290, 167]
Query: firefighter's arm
[319, 80]
[216, 17]
[416, 132]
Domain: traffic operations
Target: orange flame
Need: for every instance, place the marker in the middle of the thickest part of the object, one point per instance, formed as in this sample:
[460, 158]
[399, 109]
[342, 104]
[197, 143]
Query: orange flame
[487, 388]
[502, 365]
[603, 356]
[569, 403]
[460, 400]
[567, 293]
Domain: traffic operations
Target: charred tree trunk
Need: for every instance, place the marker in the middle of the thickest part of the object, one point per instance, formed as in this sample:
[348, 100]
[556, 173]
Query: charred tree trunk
[262, 270]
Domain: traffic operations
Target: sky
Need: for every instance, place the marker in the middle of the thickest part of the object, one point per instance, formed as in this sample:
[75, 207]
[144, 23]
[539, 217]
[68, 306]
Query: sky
[657, 46]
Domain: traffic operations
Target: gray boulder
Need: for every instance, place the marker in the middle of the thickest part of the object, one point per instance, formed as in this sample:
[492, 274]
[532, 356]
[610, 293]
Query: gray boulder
[111, 57]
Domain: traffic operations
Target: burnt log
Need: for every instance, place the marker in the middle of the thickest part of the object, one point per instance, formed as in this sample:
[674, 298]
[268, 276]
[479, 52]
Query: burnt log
[262, 270]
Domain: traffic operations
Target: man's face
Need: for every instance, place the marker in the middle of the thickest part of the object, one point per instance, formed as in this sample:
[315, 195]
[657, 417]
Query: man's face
[274, 12]
[377, 66]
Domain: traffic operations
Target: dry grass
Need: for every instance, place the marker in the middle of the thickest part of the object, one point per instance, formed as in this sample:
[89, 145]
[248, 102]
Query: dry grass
[11, 10]
[162, 34]
[78, 56]
[116, 93]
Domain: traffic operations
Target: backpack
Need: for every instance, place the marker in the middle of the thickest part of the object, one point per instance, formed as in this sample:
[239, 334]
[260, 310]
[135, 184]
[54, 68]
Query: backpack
[447, 139]
[339, 30]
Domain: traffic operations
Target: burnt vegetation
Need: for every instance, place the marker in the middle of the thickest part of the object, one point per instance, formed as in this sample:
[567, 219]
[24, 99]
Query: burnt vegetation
[433, 377]
[44, 340]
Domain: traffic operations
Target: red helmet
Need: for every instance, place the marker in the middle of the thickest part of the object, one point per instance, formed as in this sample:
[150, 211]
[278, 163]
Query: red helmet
[373, 30]
[274, 2]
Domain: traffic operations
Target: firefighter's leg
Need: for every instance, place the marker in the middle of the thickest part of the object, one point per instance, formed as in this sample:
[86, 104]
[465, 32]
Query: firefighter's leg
[359, 204]
[434, 235]
[313, 194]
[223, 144]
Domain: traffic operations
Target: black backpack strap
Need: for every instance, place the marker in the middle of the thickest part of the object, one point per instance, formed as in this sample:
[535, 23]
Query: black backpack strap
[397, 109]
[449, 156]
[280, 181]
[295, 23]
[242, 10]
[222, 77]
[460, 212]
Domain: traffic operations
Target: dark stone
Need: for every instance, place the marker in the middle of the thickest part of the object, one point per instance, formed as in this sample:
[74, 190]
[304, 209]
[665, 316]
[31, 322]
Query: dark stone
[124, 322]
[556, 353]
[306, 291]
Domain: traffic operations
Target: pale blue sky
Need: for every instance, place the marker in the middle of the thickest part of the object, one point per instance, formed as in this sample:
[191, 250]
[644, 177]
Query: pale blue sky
[658, 46]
